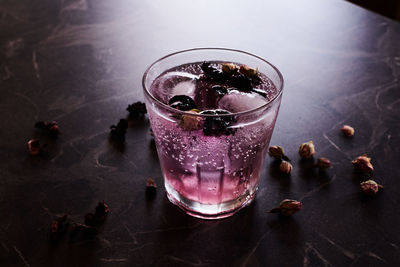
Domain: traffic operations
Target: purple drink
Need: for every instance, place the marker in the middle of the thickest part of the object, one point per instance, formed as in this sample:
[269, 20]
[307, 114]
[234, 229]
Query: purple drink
[212, 129]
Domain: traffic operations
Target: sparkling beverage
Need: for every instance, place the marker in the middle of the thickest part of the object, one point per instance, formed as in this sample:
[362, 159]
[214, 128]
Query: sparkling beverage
[212, 130]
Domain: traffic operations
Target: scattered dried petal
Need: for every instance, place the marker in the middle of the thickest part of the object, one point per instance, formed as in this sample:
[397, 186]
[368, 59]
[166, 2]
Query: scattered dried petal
[323, 163]
[307, 150]
[363, 163]
[276, 152]
[287, 207]
[229, 68]
[347, 130]
[370, 187]
[285, 167]
[34, 147]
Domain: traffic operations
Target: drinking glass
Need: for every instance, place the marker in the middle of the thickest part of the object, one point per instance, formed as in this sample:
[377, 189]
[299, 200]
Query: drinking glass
[211, 176]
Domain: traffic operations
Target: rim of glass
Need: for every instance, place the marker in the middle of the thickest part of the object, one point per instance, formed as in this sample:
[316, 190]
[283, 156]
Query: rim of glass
[212, 115]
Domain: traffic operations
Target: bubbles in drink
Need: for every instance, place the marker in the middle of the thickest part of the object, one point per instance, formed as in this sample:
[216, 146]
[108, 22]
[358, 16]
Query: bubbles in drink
[218, 158]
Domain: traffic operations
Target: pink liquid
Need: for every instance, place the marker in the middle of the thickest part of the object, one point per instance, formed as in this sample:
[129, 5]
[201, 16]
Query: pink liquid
[209, 169]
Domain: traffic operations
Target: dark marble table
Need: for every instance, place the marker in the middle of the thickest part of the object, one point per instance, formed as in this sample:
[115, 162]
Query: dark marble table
[80, 62]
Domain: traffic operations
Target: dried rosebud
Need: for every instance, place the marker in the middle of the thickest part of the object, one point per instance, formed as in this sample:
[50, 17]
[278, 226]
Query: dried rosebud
[59, 227]
[89, 219]
[287, 207]
[102, 209]
[323, 163]
[51, 127]
[118, 131]
[347, 130]
[276, 152]
[87, 231]
[100, 215]
[247, 71]
[307, 150]
[370, 187]
[151, 189]
[229, 68]
[285, 167]
[188, 122]
[34, 147]
[363, 163]
[137, 109]
[151, 183]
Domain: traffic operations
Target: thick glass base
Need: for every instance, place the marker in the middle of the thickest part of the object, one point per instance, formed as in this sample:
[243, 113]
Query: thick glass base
[209, 211]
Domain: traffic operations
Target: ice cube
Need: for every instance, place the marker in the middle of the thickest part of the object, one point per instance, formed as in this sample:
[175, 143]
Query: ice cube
[174, 83]
[184, 88]
[236, 101]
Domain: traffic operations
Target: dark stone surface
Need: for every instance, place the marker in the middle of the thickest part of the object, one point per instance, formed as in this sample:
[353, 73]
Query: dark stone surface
[80, 62]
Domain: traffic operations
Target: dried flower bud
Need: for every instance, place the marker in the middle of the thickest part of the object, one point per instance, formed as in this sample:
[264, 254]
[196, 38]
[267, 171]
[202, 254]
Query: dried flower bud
[51, 127]
[247, 71]
[323, 163]
[118, 131]
[229, 68]
[151, 183]
[188, 122]
[363, 163]
[287, 207]
[99, 217]
[370, 187]
[137, 109]
[59, 227]
[276, 152]
[151, 189]
[34, 147]
[307, 150]
[86, 231]
[347, 130]
[102, 209]
[285, 167]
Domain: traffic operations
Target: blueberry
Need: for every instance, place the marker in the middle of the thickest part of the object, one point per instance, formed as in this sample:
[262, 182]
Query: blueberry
[217, 126]
[182, 102]
[221, 91]
[212, 73]
[241, 82]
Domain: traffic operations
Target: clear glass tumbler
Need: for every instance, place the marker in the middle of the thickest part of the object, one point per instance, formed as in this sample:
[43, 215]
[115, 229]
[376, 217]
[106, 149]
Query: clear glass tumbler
[210, 176]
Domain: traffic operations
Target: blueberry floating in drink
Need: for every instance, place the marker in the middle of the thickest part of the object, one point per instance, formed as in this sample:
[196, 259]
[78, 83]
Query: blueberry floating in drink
[182, 102]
